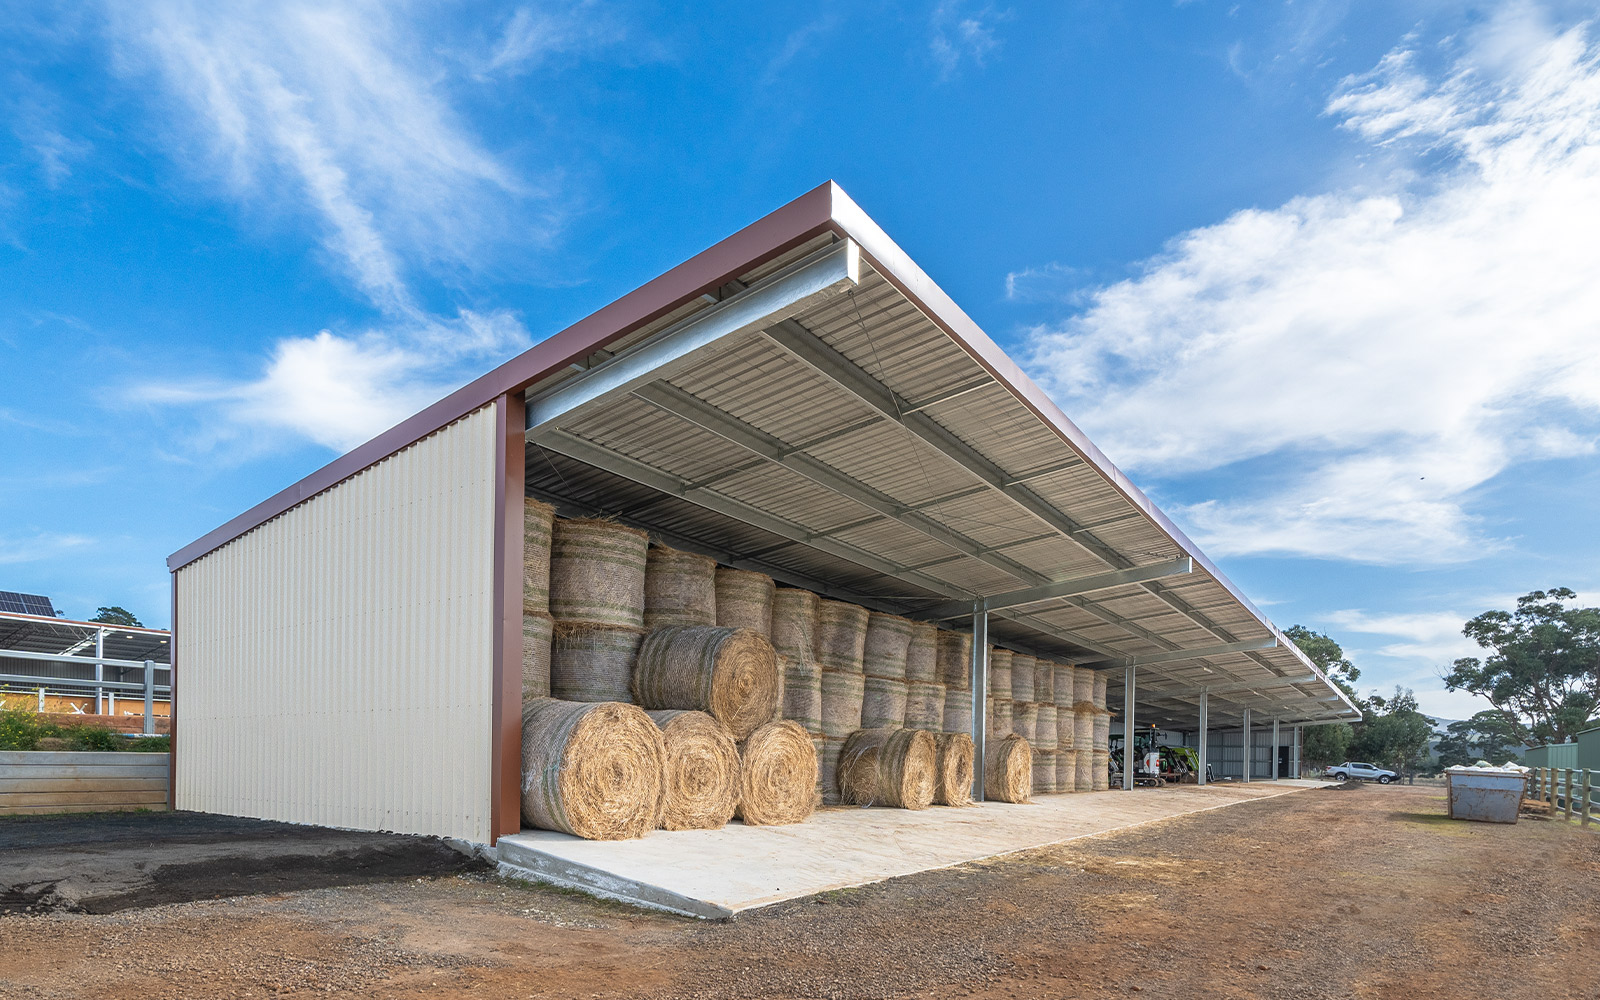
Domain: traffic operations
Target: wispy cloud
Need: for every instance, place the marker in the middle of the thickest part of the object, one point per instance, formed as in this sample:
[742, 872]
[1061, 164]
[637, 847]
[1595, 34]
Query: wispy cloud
[33, 548]
[1387, 351]
[1050, 282]
[797, 42]
[960, 35]
[1433, 636]
[536, 32]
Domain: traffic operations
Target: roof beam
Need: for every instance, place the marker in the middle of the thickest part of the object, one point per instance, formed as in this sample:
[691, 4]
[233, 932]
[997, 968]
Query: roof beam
[1184, 654]
[1062, 588]
[1233, 687]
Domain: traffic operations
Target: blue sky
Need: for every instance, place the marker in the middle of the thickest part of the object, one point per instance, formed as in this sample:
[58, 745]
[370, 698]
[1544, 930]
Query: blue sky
[1320, 276]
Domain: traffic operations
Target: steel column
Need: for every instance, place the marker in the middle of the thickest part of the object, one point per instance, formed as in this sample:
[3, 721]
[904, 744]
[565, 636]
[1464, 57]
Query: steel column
[980, 695]
[1294, 754]
[1249, 751]
[1274, 748]
[1205, 713]
[99, 671]
[149, 697]
[1128, 684]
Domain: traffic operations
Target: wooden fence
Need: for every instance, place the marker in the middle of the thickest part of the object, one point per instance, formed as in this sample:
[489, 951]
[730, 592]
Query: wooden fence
[1571, 791]
[51, 781]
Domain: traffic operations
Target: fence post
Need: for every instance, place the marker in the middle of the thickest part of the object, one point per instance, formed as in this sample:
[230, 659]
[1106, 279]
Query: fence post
[1583, 814]
[1567, 798]
[1550, 787]
[149, 697]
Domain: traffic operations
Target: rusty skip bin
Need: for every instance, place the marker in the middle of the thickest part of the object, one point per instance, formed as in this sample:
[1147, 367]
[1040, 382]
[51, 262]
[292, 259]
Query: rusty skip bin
[1487, 795]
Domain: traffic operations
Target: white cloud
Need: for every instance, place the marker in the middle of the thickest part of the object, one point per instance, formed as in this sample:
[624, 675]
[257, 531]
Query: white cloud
[1384, 352]
[536, 32]
[36, 547]
[959, 35]
[1433, 636]
[1050, 282]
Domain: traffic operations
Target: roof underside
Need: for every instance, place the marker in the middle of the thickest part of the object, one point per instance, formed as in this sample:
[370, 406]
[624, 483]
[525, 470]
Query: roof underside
[858, 449]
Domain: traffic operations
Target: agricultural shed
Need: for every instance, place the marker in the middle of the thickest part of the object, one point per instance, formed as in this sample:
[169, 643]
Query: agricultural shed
[800, 400]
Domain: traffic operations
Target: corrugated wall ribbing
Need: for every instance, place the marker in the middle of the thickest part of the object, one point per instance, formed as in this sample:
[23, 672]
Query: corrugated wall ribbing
[335, 664]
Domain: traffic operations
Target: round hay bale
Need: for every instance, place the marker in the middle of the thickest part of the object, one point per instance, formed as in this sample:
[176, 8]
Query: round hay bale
[700, 780]
[794, 623]
[922, 653]
[730, 672]
[1083, 728]
[1002, 721]
[1066, 770]
[1044, 772]
[590, 662]
[1025, 720]
[1044, 682]
[591, 769]
[1022, 669]
[1008, 770]
[952, 769]
[1063, 685]
[1046, 736]
[537, 629]
[841, 702]
[802, 692]
[1099, 697]
[679, 588]
[1082, 687]
[744, 600]
[890, 767]
[1101, 776]
[924, 705]
[777, 775]
[1102, 731]
[883, 702]
[957, 711]
[1083, 779]
[841, 636]
[954, 653]
[597, 572]
[883, 651]
[538, 521]
[1000, 673]
[828, 769]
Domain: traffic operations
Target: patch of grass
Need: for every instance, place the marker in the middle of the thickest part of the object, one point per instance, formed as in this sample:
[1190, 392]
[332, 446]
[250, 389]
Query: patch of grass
[21, 728]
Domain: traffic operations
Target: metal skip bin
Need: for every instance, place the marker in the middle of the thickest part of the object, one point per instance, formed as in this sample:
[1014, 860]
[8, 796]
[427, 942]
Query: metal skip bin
[1487, 795]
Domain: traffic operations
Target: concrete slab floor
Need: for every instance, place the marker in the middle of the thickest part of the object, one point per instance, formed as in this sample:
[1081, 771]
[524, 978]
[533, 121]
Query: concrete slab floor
[717, 873]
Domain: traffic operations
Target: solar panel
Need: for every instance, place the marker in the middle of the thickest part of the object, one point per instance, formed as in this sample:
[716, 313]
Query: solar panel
[26, 604]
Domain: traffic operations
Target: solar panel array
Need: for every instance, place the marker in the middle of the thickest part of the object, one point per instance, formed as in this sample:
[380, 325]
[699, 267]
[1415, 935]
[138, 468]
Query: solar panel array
[26, 604]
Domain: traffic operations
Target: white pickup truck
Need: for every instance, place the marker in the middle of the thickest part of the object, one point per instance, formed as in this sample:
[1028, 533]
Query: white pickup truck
[1363, 772]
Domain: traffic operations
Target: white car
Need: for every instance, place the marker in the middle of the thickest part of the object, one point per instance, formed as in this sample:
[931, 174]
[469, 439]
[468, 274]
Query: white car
[1361, 772]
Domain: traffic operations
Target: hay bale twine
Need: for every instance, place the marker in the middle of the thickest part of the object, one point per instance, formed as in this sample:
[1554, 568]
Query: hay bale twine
[888, 640]
[730, 672]
[794, 622]
[1000, 673]
[1083, 727]
[1044, 772]
[537, 629]
[922, 653]
[952, 769]
[1022, 669]
[1025, 721]
[1102, 731]
[802, 692]
[1099, 697]
[744, 600]
[1008, 770]
[889, 767]
[597, 572]
[924, 705]
[1083, 778]
[841, 636]
[957, 711]
[828, 769]
[954, 653]
[591, 769]
[1066, 770]
[777, 775]
[1044, 681]
[841, 702]
[1046, 735]
[1101, 777]
[590, 662]
[700, 779]
[1082, 687]
[538, 521]
[883, 702]
[1063, 685]
[1001, 720]
[679, 588]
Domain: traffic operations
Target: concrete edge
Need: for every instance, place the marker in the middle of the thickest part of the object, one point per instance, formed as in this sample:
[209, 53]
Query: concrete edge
[519, 861]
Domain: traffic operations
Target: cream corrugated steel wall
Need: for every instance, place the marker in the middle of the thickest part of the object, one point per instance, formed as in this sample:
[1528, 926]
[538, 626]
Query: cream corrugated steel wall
[335, 664]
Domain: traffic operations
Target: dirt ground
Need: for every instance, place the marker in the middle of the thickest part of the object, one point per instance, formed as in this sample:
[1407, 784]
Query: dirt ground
[1367, 892]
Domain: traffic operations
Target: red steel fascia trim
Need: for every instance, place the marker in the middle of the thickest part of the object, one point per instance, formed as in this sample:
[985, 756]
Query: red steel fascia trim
[505, 730]
[172, 701]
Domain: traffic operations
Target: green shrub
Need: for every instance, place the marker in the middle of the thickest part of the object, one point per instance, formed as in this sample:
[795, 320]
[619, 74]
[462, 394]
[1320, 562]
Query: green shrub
[95, 738]
[149, 744]
[21, 728]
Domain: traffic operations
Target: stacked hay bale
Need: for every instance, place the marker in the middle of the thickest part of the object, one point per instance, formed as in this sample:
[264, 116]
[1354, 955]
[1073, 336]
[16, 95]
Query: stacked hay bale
[1047, 740]
[700, 776]
[890, 767]
[884, 690]
[1024, 710]
[1083, 716]
[679, 588]
[999, 720]
[744, 600]
[777, 775]
[1008, 770]
[794, 637]
[1023, 669]
[538, 520]
[1102, 735]
[591, 769]
[597, 584]
[1066, 750]
[924, 689]
[731, 673]
[1044, 772]
[953, 769]
[953, 652]
[841, 637]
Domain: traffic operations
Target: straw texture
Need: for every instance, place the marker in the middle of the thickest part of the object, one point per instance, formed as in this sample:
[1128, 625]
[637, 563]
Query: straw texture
[679, 588]
[1000, 673]
[597, 572]
[924, 705]
[1001, 721]
[828, 769]
[922, 653]
[592, 662]
[1083, 779]
[731, 673]
[1025, 720]
[1083, 727]
[538, 520]
[777, 776]
[952, 769]
[794, 622]
[1064, 681]
[883, 702]
[1022, 668]
[841, 636]
[887, 642]
[1082, 687]
[1044, 772]
[1008, 770]
[957, 711]
[1101, 776]
[954, 653]
[1046, 734]
[1066, 770]
[1044, 681]
[1099, 697]
[593, 770]
[700, 779]
[802, 692]
[1102, 731]
[841, 702]
[889, 767]
[536, 632]
[744, 600]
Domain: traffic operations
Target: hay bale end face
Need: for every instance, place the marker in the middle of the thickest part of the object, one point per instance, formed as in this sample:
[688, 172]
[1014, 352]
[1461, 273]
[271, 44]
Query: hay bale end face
[953, 769]
[597, 572]
[591, 769]
[732, 673]
[590, 662]
[891, 767]
[679, 588]
[700, 779]
[778, 775]
[744, 600]
[1008, 770]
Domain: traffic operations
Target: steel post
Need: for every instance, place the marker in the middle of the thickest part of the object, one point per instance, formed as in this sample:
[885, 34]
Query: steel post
[99, 671]
[980, 695]
[1274, 754]
[1205, 713]
[149, 697]
[1249, 751]
[1128, 761]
